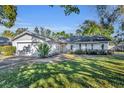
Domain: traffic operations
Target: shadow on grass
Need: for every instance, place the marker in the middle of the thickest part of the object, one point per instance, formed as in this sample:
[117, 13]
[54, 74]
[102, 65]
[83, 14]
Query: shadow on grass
[71, 73]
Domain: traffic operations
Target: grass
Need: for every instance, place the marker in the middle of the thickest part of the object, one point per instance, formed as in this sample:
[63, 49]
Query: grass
[99, 71]
[119, 52]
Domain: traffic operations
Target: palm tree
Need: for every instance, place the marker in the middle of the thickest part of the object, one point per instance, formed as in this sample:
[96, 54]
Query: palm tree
[90, 28]
[48, 32]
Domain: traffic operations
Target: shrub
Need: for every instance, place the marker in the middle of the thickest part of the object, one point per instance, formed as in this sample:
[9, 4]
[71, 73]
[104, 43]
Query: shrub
[8, 50]
[79, 52]
[93, 52]
[43, 50]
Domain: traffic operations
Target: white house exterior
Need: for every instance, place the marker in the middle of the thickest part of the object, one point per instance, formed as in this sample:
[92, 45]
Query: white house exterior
[27, 42]
[85, 43]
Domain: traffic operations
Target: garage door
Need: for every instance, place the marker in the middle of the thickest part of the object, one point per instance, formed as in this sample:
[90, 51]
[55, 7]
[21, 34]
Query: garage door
[26, 48]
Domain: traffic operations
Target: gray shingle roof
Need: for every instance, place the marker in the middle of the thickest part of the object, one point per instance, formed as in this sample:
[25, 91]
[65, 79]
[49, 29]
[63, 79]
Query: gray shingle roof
[84, 39]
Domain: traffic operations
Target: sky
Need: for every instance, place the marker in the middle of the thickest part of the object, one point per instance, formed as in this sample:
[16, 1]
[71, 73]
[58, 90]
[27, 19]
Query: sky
[51, 18]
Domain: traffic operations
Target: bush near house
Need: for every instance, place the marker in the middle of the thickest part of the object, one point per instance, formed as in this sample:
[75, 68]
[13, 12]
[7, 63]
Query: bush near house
[43, 50]
[93, 52]
[79, 52]
[7, 50]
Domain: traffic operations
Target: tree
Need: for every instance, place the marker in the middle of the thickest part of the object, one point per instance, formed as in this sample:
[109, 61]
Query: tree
[90, 28]
[109, 15]
[20, 30]
[71, 34]
[8, 15]
[68, 9]
[42, 31]
[8, 34]
[36, 30]
[78, 32]
[48, 32]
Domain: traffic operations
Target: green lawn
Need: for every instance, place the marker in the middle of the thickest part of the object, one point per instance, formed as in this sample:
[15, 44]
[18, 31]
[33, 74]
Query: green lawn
[99, 71]
[119, 52]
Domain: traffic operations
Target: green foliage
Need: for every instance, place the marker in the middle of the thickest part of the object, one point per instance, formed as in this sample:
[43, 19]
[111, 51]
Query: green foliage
[8, 34]
[79, 52]
[20, 30]
[109, 15]
[36, 30]
[8, 15]
[43, 49]
[93, 52]
[60, 34]
[8, 50]
[69, 9]
[90, 28]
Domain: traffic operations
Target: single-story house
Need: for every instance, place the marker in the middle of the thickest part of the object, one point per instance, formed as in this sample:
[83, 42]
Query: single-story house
[5, 41]
[85, 43]
[26, 43]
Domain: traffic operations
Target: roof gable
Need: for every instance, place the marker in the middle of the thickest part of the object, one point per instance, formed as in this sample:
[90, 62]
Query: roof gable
[30, 34]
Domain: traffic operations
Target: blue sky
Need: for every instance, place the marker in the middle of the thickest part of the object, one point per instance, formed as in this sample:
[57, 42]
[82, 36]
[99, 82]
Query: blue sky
[52, 18]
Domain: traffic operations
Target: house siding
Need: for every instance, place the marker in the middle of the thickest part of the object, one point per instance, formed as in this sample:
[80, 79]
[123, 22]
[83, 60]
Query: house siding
[88, 46]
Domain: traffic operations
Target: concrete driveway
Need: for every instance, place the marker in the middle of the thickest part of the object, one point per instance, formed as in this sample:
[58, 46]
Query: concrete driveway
[12, 62]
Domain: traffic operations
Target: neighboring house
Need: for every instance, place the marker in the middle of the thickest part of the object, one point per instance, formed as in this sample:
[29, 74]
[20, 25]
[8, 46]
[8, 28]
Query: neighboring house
[119, 47]
[5, 41]
[26, 43]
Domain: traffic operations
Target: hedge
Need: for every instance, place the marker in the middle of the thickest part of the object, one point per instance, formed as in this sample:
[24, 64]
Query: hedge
[7, 50]
[92, 52]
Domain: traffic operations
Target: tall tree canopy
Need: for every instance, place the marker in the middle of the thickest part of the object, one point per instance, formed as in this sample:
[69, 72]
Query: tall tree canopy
[8, 34]
[20, 30]
[90, 28]
[69, 9]
[36, 30]
[111, 15]
[8, 15]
